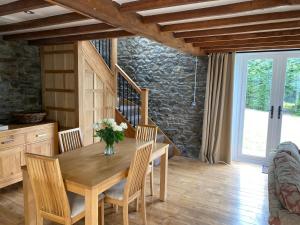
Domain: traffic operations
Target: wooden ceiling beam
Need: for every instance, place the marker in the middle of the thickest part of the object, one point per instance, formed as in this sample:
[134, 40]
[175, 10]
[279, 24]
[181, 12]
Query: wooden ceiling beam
[261, 48]
[217, 10]
[43, 22]
[256, 45]
[263, 18]
[240, 29]
[59, 32]
[247, 36]
[108, 12]
[21, 6]
[143, 5]
[83, 37]
[217, 44]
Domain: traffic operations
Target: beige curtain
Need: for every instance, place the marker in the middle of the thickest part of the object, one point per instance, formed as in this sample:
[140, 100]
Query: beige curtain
[216, 134]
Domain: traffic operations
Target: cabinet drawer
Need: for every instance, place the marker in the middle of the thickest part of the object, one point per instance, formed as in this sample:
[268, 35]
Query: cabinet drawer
[39, 135]
[11, 140]
[45, 148]
[11, 160]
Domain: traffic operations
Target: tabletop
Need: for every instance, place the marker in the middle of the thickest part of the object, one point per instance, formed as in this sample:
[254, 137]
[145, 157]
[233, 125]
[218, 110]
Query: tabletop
[88, 165]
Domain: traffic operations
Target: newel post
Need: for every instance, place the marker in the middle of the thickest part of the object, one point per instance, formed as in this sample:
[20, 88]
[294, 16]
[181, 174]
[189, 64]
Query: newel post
[114, 54]
[144, 106]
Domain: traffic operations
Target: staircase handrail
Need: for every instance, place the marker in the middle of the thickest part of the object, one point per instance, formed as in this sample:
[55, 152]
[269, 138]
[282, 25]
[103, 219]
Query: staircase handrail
[118, 70]
[143, 92]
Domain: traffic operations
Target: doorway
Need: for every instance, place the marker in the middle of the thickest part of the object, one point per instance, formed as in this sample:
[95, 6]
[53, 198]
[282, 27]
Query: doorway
[266, 103]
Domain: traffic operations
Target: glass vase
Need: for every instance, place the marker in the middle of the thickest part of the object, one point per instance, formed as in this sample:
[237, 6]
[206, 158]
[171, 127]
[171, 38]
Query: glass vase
[109, 149]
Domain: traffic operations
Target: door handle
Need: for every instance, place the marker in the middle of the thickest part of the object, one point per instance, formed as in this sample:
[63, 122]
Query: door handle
[279, 112]
[271, 112]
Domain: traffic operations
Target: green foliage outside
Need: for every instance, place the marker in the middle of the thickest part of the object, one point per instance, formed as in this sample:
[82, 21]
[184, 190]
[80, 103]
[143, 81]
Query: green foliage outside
[259, 83]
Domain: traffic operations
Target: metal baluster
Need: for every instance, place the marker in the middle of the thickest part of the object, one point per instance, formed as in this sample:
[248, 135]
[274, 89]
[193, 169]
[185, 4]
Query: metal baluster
[132, 107]
[106, 49]
[123, 92]
[119, 92]
[138, 119]
[127, 86]
[109, 52]
[103, 46]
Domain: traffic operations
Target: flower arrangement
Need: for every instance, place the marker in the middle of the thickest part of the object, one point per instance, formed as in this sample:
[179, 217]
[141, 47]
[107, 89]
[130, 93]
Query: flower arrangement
[110, 132]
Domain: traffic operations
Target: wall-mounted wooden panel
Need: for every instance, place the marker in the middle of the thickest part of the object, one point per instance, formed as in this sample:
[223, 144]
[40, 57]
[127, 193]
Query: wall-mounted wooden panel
[78, 87]
[97, 90]
[59, 84]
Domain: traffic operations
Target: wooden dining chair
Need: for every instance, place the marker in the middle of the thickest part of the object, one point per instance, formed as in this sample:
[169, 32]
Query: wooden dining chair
[133, 187]
[70, 140]
[52, 201]
[148, 133]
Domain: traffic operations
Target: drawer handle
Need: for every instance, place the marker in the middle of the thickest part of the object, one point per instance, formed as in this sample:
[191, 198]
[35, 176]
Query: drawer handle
[7, 141]
[41, 135]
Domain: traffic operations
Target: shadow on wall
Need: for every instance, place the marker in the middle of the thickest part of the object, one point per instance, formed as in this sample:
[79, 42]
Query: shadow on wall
[169, 74]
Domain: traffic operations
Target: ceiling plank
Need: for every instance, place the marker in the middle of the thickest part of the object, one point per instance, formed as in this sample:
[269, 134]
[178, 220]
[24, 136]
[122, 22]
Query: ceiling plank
[143, 5]
[244, 36]
[248, 45]
[217, 44]
[22, 5]
[59, 32]
[261, 48]
[47, 21]
[239, 29]
[83, 37]
[107, 11]
[216, 10]
[263, 18]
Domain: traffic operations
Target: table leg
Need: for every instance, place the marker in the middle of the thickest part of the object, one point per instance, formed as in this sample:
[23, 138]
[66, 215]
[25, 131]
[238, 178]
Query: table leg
[164, 175]
[29, 203]
[91, 207]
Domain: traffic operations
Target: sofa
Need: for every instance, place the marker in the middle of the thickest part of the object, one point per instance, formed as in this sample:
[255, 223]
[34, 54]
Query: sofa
[284, 185]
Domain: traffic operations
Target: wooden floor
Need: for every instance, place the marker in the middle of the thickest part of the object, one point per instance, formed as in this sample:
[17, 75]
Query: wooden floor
[198, 194]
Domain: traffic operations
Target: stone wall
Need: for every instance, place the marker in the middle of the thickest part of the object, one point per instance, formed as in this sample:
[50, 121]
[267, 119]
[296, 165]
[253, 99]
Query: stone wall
[20, 79]
[169, 74]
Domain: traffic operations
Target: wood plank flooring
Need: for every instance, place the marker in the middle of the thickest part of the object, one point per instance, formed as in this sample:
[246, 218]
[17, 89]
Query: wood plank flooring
[199, 194]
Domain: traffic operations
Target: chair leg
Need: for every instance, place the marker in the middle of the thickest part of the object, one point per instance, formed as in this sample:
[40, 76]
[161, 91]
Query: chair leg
[116, 207]
[125, 214]
[39, 219]
[143, 207]
[152, 181]
[137, 203]
[101, 213]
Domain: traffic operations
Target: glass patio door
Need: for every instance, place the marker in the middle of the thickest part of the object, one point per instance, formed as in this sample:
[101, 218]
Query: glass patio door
[289, 110]
[266, 104]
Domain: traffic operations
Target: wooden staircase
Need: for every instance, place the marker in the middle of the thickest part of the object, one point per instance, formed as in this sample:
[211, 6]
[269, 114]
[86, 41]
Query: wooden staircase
[132, 108]
[132, 100]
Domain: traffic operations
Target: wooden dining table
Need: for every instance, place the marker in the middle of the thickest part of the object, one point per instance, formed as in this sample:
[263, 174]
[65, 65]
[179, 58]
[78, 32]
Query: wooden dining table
[88, 172]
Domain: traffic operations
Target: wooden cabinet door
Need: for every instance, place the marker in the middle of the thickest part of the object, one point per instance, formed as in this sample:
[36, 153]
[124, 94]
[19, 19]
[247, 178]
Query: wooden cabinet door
[45, 148]
[11, 160]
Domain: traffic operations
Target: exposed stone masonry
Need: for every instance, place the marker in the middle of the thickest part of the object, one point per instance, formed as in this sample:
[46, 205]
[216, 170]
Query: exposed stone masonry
[20, 79]
[169, 74]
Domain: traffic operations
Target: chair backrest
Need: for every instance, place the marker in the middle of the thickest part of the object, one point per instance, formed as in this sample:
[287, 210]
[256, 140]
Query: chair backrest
[138, 170]
[47, 185]
[70, 140]
[146, 133]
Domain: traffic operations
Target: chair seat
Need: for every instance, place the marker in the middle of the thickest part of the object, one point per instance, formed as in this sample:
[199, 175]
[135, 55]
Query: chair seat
[116, 191]
[77, 203]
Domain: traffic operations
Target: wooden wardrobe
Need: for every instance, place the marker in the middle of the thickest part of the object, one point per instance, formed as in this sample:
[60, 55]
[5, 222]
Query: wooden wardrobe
[78, 87]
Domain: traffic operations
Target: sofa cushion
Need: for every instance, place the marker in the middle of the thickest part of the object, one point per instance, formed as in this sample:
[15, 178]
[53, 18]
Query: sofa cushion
[287, 175]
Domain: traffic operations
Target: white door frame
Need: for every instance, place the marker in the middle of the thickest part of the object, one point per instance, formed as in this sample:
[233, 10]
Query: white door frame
[276, 99]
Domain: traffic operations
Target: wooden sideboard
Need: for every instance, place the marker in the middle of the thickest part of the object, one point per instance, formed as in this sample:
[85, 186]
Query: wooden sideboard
[19, 139]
